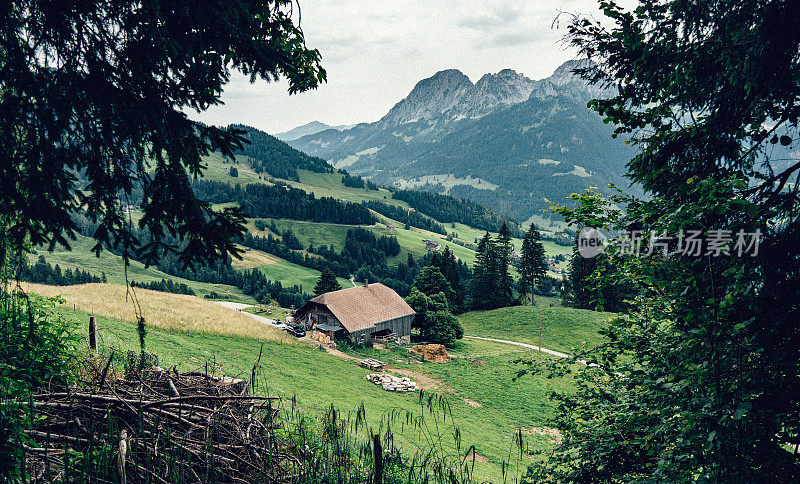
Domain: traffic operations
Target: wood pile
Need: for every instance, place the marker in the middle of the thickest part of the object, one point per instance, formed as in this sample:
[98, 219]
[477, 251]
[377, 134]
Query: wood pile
[392, 383]
[159, 426]
[372, 364]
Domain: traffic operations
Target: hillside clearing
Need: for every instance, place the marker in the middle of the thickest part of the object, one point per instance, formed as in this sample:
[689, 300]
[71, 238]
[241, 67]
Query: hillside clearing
[113, 266]
[252, 258]
[290, 274]
[563, 329]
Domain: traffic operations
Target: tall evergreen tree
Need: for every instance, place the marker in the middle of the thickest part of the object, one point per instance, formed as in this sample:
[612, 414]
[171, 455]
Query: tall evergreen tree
[578, 292]
[483, 287]
[533, 263]
[448, 265]
[326, 283]
[504, 291]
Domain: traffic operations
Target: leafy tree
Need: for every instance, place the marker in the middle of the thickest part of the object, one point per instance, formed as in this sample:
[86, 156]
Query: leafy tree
[701, 381]
[533, 263]
[327, 283]
[443, 328]
[433, 318]
[97, 90]
[234, 172]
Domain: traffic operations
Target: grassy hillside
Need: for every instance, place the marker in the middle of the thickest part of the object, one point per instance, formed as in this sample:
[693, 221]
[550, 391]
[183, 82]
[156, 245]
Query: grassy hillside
[114, 268]
[562, 328]
[486, 404]
[173, 312]
[330, 185]
[290, 274]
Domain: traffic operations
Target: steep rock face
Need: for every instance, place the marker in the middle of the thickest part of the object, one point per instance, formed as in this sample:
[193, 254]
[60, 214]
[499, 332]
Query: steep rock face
[492, 91]
[565, 84]
[431, 97]
[529, 139]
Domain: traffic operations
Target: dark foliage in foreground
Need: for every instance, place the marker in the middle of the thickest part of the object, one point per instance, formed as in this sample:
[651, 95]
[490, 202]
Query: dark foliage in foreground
[97, 90]
[701, 381]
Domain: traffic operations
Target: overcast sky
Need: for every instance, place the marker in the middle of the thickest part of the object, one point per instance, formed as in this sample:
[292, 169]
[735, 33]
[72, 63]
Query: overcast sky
[376, 51]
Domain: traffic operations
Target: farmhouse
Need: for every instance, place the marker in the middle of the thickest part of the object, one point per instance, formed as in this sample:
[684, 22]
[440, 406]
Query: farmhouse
[431, 244]
[360, 314]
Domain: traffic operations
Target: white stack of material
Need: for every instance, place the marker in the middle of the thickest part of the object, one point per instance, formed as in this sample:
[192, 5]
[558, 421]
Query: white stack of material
[392, 383]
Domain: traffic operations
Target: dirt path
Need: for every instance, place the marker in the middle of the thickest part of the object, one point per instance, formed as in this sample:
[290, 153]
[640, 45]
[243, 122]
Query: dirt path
[425, 381]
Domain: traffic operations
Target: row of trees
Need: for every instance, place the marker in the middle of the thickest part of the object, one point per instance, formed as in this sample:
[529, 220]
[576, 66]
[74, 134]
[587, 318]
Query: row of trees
[165, 285]
[449, 209]
[283, 201]
[492, 285]
[410, 218]
[356, 181]
[42, 272]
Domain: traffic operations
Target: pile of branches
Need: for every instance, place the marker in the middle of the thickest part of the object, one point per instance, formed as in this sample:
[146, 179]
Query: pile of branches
[158, 426]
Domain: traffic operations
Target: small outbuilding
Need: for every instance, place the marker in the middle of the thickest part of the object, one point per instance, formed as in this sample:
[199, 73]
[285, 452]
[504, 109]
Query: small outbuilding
[359, 314]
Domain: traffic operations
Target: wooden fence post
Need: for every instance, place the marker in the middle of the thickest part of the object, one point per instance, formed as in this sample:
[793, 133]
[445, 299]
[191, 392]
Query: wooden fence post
[92, 334]
[377, 460]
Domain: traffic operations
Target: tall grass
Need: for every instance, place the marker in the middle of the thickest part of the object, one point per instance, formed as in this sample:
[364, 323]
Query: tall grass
[333, 446]
[173, 312]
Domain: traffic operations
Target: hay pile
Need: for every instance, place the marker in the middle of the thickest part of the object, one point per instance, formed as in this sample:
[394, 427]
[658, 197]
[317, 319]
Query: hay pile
[432, 352]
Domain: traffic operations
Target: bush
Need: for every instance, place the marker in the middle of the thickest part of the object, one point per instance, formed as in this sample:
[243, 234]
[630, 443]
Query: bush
[36, 344]
[443, 329]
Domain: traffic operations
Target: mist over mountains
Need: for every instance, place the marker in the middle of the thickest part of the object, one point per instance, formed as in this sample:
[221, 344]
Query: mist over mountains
[505, 141]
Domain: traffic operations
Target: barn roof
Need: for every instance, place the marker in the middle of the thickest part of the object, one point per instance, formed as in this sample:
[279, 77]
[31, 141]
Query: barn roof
[362, 307]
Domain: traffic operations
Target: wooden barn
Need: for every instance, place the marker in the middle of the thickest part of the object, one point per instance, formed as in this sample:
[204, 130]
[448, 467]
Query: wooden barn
[360, 314]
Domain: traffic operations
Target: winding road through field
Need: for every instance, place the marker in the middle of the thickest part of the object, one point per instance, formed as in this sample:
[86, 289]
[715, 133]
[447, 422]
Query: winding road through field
[532, 347]
[524, 345]
[239, 306]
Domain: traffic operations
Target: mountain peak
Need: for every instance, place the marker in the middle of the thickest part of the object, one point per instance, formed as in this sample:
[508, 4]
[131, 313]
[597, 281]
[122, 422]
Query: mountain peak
[566, 83]
[430, 97]
[563, 74]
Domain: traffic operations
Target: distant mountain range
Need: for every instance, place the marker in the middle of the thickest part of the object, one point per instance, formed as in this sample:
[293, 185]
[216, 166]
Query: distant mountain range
[308, 129]
[505, 141]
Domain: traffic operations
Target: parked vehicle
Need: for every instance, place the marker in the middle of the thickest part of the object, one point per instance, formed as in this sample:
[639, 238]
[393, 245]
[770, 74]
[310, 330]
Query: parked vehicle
[296, 332]
[278, 324]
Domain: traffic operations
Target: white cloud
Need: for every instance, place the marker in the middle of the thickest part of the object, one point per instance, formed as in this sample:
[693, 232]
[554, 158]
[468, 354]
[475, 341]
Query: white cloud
[375, 52]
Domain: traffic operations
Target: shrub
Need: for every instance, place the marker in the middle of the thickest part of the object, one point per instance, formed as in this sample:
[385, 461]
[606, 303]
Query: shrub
[36, 344]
